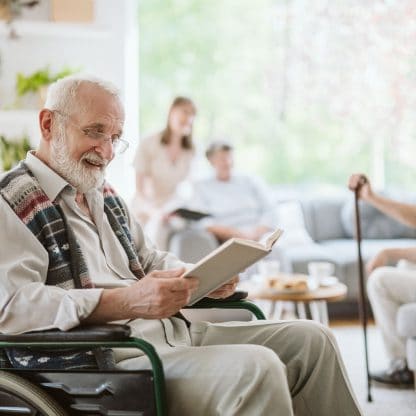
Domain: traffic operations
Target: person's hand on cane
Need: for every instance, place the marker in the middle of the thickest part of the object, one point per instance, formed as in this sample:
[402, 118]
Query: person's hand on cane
[360, 182]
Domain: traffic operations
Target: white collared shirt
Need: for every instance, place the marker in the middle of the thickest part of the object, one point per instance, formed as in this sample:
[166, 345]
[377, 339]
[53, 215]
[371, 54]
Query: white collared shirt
[241, 202]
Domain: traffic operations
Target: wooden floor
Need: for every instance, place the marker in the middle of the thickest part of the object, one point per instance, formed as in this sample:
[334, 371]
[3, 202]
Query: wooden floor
[348, 322]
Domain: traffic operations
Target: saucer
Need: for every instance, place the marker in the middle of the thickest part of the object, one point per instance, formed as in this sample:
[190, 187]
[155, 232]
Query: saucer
[329, 281]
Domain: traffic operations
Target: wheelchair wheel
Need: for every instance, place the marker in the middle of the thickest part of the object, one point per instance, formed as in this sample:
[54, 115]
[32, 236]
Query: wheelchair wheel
[21, 397]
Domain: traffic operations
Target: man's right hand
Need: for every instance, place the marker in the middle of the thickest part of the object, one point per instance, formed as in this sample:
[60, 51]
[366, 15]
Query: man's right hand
[360, 181]
[160, 294]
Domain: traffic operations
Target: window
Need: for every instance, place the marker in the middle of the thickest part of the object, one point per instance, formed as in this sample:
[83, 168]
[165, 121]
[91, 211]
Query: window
[307, 91]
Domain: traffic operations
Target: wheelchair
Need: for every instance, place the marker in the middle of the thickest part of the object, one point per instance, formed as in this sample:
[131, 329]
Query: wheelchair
[39, 392]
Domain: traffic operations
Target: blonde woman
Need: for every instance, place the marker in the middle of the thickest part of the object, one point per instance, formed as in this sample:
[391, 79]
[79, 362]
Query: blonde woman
[161, 163]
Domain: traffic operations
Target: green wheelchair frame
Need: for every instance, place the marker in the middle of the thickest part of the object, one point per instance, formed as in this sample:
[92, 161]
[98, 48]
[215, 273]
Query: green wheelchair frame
[236, 301]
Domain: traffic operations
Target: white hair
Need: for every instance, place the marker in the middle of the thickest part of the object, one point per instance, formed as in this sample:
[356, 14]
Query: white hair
[62, 94]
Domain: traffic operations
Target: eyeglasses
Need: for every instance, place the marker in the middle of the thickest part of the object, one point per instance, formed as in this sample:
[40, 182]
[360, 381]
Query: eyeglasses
[119, 145]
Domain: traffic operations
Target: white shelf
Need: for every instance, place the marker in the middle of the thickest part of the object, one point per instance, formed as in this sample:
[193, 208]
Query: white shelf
[56, 29]
[16, 123]
[17, 116]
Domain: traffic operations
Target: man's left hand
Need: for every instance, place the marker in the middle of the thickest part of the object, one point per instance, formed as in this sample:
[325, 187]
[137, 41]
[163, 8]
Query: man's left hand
[225, 290]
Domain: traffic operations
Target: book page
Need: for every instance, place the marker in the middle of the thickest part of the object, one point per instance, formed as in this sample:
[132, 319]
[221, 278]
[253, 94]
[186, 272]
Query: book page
[265, 243]
[272, 238]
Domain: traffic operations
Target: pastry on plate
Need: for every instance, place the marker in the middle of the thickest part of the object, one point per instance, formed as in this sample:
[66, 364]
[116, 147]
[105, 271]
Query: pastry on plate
[296, 284]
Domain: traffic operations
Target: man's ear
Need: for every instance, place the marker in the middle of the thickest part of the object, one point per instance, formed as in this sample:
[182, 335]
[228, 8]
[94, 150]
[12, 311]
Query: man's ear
[45, 122]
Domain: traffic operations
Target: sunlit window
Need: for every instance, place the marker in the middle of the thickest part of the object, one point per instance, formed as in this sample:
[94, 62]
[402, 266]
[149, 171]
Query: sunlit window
[308, 91]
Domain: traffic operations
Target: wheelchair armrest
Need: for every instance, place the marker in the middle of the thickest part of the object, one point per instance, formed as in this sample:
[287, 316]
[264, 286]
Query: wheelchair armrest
[236, 296]
[87, 333]
[204, 302]
[235, 301]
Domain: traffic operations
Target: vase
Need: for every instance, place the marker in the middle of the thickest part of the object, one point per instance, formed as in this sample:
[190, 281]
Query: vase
[80, 11]
[5, 12]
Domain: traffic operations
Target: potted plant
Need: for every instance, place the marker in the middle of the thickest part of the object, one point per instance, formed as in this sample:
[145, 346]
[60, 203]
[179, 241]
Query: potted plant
[38, 82]
[11, 9]
[12, 151]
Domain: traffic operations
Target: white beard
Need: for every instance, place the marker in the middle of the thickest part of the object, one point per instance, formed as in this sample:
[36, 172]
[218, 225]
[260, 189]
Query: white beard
[76, 172]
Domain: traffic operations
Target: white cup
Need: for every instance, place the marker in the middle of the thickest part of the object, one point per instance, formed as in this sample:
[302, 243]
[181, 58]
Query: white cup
[268, 269]
[319, 270]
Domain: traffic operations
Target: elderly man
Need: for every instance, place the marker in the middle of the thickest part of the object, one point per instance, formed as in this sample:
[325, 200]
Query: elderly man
[390, 287]
[239, 205]
[66, 233]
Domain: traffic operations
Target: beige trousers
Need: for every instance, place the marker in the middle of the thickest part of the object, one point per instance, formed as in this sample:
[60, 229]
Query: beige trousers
[253, 368]
[388, 288]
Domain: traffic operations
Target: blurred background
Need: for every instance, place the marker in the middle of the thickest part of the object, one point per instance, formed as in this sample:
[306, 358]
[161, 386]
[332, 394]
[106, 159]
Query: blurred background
[307, 91]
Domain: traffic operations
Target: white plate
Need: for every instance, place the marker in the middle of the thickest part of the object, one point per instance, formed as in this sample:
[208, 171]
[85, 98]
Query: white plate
[329, 281]
[287, 291]
[292, 291]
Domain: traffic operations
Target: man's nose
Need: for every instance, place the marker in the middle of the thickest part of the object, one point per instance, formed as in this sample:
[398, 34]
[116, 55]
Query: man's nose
[105, 149]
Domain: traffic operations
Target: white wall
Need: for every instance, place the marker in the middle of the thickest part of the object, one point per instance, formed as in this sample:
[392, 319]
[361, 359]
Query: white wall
[108, 48]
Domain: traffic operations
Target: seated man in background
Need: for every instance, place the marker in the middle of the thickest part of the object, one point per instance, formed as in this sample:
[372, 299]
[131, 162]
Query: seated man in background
[240, 205]
[66, 232]
[390, 287]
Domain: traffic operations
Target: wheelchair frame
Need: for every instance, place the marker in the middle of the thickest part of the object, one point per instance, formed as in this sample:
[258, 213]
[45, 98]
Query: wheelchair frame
[147, 348]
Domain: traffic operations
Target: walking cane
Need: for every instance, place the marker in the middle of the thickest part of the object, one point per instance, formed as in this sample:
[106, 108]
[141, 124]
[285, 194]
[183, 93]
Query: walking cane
[362, 300]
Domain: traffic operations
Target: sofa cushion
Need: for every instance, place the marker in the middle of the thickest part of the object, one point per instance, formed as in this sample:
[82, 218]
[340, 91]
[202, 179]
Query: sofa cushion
[346, 249]
[290, 217]
[323, 217]
[301, 256]
[374, 224]
[411, 353]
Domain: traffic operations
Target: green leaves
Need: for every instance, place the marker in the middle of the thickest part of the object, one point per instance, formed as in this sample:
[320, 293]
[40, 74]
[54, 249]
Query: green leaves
[32, 83]
[11, 152]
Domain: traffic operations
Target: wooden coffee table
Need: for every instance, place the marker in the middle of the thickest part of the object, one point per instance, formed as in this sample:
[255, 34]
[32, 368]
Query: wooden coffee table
[316, 300]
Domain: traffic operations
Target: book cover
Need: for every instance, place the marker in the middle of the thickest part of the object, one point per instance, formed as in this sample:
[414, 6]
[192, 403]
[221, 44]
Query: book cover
[190, 214]
[225, 262]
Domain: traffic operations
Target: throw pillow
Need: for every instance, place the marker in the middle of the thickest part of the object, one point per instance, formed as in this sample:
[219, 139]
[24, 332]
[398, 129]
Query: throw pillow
[290, 218]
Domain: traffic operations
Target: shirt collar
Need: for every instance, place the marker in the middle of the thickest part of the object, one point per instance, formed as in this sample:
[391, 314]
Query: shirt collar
[51, 183]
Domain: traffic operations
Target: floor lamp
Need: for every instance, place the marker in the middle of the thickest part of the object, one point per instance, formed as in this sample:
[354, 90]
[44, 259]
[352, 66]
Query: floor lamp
[362, 299]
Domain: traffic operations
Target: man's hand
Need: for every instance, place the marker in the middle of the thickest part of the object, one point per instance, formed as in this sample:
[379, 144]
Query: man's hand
[160, 294]
[225, 290]
[360, 181]
[380, 260]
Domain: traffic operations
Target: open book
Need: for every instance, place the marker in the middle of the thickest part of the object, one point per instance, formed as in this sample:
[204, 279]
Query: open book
[225, 262]
[190, 214]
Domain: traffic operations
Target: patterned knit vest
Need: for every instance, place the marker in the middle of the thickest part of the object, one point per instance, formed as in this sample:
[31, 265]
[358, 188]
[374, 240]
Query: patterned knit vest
[67, 267]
